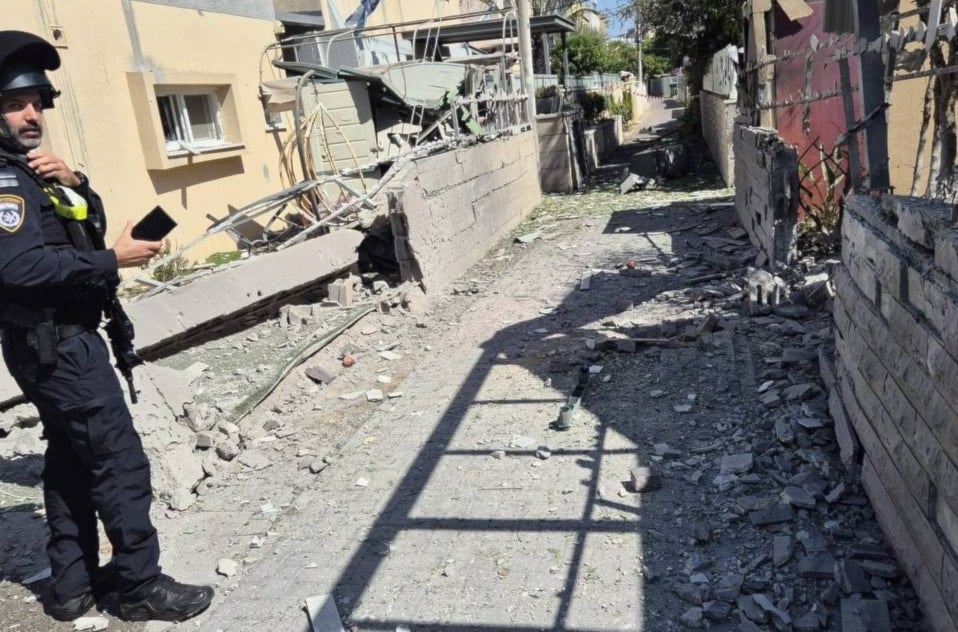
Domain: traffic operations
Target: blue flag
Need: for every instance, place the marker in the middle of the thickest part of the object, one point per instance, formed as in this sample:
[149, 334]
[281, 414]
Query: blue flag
[358, 17]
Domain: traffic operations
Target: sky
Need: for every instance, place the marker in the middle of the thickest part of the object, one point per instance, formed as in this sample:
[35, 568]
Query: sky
[614, 28]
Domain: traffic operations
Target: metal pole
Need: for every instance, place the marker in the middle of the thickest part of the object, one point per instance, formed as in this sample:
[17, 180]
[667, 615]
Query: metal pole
[873, 96]
[525, 55]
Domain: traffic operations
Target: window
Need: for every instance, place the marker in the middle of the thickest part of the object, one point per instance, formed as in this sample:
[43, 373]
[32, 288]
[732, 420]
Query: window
[190, 121]
[186, 118]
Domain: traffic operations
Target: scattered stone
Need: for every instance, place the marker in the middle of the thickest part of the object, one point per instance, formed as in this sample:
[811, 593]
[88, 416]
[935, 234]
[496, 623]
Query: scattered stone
[851, 578]
[543, 453]
[226, 567]
[318, 466]
[350, 396]
[204, 440]
[818, 566]
[389, 355]
[800, 392]
[665, 451]
[784, 432]
[321, 374]
[692, 618]
[656, 394]
[228, 450]
[794, 356]
[695, 594]
[835, 494]
[348, 361]
[701, 533]
[778, 615]
[682, 408]
[736, 463]
[696, 563]
[716, 610]
[798, 497]
[644, 480]
[90, 624]
[862, 551]
[865, 615]
[255, 460]
[374, 395]
[748, 626]
[394, 394]
[528, 238]
[751, 610]
[362, 482]
[729, 587]
[781, 550]
[499, 454]
[779, 512]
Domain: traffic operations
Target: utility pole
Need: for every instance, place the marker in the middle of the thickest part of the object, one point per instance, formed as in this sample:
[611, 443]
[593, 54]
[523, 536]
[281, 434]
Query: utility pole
[525, 57]
[638, 43]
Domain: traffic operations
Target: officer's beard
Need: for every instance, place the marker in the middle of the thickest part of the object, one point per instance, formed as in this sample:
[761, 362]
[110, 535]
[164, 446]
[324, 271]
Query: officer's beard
[14, 141]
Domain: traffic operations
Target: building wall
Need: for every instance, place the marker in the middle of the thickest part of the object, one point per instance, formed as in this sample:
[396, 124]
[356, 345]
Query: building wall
[766, 191]
[113, 53]
[456, 205]
[896, 407]
[718, 124]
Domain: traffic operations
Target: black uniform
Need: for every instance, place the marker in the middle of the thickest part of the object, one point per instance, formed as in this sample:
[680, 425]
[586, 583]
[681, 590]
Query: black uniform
[95, 464]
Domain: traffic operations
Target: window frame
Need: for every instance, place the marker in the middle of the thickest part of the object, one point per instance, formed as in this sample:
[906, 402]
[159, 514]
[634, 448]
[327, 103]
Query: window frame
[148, 90]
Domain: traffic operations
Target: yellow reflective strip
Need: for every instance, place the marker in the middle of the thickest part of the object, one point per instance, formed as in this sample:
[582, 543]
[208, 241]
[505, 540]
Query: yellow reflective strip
[76, 210]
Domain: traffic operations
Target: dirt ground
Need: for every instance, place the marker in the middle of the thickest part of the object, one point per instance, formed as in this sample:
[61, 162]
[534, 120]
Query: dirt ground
[452, 504]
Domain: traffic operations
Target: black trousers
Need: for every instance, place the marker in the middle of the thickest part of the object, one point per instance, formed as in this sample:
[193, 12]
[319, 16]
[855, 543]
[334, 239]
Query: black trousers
[95, 466]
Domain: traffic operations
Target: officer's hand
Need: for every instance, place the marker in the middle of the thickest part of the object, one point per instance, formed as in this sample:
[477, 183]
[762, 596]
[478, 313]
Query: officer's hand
[134, 252]
[50, 167]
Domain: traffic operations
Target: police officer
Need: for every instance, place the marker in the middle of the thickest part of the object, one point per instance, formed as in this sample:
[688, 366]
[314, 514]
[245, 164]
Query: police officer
[53, 282]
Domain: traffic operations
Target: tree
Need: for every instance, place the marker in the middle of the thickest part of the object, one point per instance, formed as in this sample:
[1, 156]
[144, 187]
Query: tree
[587, 53]
[692, 30]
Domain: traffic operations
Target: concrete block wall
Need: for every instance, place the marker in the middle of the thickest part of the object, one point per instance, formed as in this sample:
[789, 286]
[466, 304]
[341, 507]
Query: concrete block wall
[896, 319]
[718, 126]
[766, 191]
[456, 205]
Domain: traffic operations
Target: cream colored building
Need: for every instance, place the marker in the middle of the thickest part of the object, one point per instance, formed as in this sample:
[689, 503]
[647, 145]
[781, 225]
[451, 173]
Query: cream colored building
[160, 104]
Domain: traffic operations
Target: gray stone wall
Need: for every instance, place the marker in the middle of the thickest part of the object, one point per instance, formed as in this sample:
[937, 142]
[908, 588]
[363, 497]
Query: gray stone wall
[718, 126]
[896, 403]
[456, 205]
[766, 191]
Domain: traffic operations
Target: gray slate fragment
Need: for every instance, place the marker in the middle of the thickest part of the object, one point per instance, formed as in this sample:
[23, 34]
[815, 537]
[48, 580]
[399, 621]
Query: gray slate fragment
[884, 570]
[779, 512]
[851, 578]
[666, 451]
[818, 566]
[781, 550]
[778, 615]
[798, 497]
[736, 463]
[644, 480]
[751, 610]
[716, 610]
[692, 618]
[865, 615]
[808, 622]
[695, 594]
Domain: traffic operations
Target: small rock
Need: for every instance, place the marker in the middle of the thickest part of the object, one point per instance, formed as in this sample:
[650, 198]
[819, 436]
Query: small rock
[775, 514]
[228, 450]
[543, 453]
[736, 463]
[362, 482]
[865, 615]
[643, 480]
[389, 355]
[226, 567]
[90, 624]
[255, 459]
[665, 451]
[851, 578]
[499, 454]
[374, 395]
[819, 566]
[798, 497]
[781, 550]
[692, 618]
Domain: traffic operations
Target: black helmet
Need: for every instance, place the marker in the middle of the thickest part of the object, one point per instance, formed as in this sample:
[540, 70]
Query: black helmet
[24, 58]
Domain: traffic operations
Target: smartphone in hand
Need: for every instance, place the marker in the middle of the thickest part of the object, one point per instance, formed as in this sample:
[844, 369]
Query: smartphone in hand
[154, 226]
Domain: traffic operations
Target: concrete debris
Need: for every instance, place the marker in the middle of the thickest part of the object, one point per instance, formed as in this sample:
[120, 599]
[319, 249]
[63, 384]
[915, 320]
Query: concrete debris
[528, 238]
[374, 395]
[522, 443]
[226, 567]
[91, 624]
[692, 618]
[736, 463]
[340, 292]
[321, 373]
[389, 355]
[634, 182]
[254, 459]
[666, 451]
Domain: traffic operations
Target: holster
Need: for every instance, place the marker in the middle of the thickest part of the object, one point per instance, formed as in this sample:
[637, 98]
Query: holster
[44, 340]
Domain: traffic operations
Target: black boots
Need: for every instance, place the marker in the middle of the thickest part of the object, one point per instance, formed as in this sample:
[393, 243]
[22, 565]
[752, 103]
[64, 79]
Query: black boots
[166, 600]
[69, 609]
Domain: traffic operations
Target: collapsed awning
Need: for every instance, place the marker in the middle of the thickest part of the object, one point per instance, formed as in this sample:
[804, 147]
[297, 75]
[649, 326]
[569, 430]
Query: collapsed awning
[417, 84]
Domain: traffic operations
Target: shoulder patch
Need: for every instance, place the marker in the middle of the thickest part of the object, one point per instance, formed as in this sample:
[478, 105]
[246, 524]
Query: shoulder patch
[8, 179]
[11, 212]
